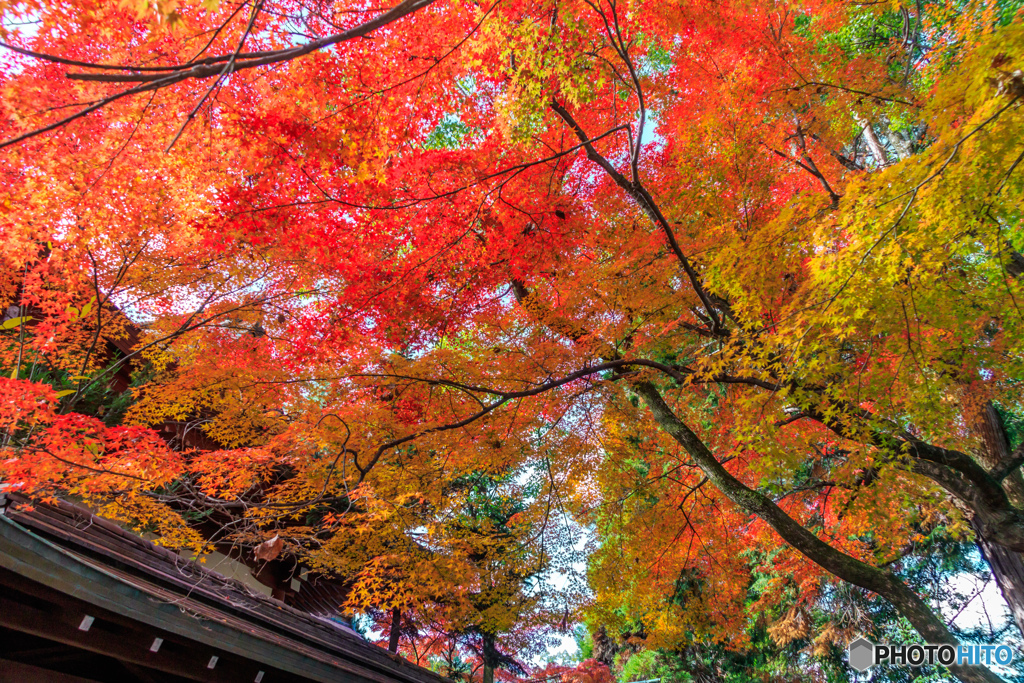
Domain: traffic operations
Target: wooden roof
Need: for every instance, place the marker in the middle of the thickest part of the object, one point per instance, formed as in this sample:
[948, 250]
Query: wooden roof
[82, 565]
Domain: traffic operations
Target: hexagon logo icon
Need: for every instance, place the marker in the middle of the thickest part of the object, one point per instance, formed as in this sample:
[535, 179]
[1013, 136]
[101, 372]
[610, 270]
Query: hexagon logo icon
[862, 654]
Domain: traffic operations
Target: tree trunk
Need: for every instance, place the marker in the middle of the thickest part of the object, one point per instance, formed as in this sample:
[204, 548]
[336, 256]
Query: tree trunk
[898, 142]
[849, 569]
[989, 426]
[1007, 565]
[396, 629]
[490, 656]
[605, 647]
[1008, 569]
[1015, 261]
[874, 144]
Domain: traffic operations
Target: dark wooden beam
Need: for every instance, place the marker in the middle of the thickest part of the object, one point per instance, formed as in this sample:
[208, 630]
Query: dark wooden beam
[145, 675]
[19, 672]
[60, 620]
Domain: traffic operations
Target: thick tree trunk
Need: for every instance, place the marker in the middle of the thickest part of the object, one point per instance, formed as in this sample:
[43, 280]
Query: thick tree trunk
[605, 648]
[396, 629]
[989, 426]
[1015, 262]
[849, 569]
[1007, 565]
[1008, 569]
[490, 656]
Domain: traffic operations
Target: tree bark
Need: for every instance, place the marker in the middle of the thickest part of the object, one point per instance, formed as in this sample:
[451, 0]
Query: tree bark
[396, 629]
[490, 652]
[843, 566]
[874, 144]
[898, 141]
[1015, 262]
[989, 426]
[1007, 565]
[605, 648]
[1008, 569]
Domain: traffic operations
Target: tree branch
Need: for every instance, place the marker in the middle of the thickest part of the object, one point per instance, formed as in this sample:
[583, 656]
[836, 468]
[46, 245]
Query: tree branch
[843, 566]
[646, 202]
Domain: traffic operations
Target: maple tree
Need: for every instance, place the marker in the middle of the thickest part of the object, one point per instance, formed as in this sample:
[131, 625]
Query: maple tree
[488, 610]
[753, 264]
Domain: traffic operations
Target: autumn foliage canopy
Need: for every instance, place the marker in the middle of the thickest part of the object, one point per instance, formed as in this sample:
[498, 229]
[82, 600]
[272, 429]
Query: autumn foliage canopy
[458, 294]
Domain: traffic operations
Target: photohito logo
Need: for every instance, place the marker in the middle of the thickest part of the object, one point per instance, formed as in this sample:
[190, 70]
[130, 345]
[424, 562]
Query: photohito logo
[864, 654]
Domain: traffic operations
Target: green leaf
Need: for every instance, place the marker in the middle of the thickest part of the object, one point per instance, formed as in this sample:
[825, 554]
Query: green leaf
[65, 392]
